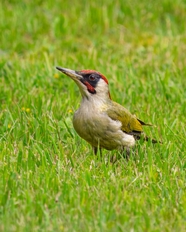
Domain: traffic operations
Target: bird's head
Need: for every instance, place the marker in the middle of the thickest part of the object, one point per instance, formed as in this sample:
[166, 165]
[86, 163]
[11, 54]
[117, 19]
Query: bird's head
[92, 84]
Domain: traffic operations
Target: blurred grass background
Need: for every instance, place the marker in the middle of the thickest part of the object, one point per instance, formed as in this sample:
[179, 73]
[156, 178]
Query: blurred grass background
[49, 178]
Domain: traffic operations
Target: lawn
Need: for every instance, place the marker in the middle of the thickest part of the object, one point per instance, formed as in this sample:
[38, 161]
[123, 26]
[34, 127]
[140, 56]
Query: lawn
[49, 178]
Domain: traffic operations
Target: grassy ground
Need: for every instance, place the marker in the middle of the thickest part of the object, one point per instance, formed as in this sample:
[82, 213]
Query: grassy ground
[49, 178]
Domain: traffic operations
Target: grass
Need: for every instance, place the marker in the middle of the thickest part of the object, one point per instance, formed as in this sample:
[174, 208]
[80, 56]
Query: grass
[49, 178]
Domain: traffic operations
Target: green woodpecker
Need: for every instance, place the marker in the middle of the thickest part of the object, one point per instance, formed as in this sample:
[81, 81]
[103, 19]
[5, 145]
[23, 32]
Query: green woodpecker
[100, 121]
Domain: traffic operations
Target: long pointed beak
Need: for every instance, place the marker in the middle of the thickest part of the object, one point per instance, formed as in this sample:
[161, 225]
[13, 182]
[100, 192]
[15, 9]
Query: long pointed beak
[71, 73]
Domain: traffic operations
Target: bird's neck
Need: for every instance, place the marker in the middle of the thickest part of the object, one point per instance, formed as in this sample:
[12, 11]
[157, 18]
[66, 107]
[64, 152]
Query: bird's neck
[99, 99]
[95, 101]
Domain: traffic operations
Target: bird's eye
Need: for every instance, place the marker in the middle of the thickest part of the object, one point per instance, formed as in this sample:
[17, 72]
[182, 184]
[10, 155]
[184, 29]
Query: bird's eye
[92, 77]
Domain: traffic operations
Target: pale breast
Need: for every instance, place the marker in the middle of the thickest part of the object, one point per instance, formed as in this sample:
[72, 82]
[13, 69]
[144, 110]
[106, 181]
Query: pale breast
[99, 130]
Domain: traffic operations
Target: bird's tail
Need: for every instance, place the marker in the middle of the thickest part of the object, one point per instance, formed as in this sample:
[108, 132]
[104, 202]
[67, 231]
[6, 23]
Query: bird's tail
[142, 136]
[146, 138]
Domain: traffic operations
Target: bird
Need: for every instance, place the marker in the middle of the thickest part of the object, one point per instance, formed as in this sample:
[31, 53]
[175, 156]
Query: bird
[102, 122]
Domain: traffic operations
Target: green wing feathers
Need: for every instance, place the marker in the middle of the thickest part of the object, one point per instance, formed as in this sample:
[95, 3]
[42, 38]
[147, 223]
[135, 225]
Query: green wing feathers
[129, 122]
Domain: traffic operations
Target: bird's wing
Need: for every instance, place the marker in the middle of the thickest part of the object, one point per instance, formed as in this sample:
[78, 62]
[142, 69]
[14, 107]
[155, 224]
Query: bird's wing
[130, 124]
